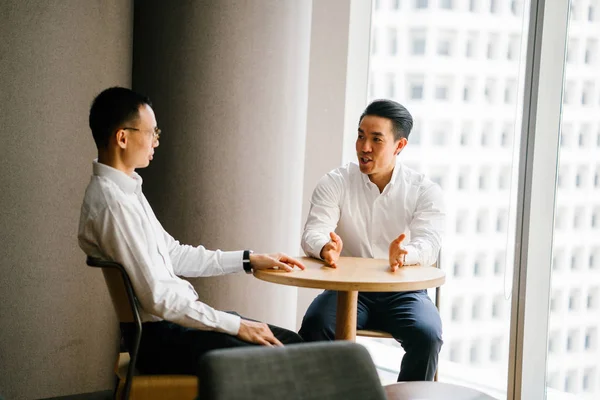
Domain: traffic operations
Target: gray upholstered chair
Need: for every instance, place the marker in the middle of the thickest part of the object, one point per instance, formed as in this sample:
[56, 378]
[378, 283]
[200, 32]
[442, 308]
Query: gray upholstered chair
[310, 371]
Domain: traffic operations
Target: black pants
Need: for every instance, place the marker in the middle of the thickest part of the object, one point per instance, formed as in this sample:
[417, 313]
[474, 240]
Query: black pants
[410, 317]
[168, 348]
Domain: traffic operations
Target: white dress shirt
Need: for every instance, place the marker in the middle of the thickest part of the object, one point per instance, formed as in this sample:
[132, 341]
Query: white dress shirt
[347, 202]
[117, 224]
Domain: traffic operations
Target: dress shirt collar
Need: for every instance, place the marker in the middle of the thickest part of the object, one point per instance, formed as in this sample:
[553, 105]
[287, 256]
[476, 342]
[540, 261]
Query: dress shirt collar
[397, 169]
[128, 184]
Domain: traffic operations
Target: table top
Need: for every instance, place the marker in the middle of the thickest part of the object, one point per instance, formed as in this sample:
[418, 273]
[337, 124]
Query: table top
[354, 273]
[432, 391]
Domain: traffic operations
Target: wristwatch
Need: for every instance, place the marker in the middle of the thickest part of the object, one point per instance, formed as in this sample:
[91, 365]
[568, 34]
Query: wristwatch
[246, 261]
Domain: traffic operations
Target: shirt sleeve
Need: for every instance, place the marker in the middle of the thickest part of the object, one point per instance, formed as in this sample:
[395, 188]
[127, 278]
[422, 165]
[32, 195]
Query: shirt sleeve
[426, 228]
[192, 262]
[323, 215]
[121, 235]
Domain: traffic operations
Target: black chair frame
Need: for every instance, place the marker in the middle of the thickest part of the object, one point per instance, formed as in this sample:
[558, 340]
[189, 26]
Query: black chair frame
[133, 303]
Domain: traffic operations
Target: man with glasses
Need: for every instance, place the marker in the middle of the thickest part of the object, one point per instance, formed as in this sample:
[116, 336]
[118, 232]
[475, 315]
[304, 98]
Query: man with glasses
[380, 209]
[117, 224]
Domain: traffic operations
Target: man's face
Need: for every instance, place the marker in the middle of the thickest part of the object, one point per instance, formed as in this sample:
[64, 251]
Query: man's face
[141, 139]
[376, 148]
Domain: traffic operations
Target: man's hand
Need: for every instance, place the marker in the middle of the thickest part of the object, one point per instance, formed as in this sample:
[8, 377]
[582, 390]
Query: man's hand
[257, 332]
[330, 253]
[279, 260]
[397, 253]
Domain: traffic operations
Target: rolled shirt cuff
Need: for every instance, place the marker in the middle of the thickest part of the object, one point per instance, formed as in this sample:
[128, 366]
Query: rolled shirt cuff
[229, 323]
[232, 261]
[412, 257]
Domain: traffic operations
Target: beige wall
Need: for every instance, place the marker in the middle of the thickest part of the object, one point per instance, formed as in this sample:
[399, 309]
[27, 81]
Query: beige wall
[57, 329]
[229, 83]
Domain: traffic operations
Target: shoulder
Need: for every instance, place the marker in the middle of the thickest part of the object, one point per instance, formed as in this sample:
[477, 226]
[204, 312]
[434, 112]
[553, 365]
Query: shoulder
[419, 182]
[102, 196]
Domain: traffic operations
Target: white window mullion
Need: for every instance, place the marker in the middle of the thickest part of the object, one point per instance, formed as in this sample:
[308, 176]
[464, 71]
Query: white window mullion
[536, 198]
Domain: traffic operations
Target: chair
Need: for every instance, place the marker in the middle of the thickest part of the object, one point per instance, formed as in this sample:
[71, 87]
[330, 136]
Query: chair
[308, 371]
[130, 383]
[386, 335]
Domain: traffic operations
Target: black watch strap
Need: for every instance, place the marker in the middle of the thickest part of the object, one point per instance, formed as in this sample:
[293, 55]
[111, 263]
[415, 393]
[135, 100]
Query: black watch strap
[246, 261]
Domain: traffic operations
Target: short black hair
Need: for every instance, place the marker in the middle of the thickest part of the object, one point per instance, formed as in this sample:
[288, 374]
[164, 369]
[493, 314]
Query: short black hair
[402, 121]
[111, 109]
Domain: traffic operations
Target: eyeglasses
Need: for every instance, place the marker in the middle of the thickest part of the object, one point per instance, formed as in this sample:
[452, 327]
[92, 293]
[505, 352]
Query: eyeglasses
[155, 133]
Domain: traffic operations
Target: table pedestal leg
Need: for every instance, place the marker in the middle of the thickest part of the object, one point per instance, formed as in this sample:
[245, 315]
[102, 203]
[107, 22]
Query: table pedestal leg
[345, 324]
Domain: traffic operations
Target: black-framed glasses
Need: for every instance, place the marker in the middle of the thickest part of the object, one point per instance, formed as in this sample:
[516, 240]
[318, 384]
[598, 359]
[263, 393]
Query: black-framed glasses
[155, 133]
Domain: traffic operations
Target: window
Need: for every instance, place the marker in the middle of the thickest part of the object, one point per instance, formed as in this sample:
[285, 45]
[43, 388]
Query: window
[374, 43]
[495, 349]
[591, 49]
[572, 50]
[497, 306]
[446, 4]
[501, 221]
[499, 264]
[474, 352]
[587, 93]
[492, 46]
[471, 45]
[510, 91]
[473, 5]
[555, 301]
[590, 339]
[455, 352]
[457, 308]
[445, 43]
[415, 88]
[463, 179]
[468, 90]
[572, 341]
[441, 91]
[490, 90]
[512, 52]
[418, 42]
[574, 300]
[391, 84]
[515, 7]
[506, 137]
[493, 6]
[476, 312]
[392, 41]
[421, 4]
[461, 221]
[396, 4]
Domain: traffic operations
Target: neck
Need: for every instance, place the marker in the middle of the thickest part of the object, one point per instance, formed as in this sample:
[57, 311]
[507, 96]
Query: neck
[381, 179]
[112, 159]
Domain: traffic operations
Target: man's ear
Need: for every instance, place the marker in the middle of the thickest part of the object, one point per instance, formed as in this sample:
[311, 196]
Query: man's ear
[401, 144]
[121, 138]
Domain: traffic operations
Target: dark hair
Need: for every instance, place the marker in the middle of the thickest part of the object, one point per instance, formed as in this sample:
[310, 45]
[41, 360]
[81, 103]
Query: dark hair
[111, 109]
[402, 121]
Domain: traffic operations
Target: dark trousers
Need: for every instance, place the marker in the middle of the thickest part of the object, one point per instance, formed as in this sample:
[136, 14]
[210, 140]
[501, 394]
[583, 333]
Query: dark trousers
[410, 317]
[168, 348]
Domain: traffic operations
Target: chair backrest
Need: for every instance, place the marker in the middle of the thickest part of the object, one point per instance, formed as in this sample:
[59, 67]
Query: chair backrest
[119, 287]
[326, 370]
[126, 307]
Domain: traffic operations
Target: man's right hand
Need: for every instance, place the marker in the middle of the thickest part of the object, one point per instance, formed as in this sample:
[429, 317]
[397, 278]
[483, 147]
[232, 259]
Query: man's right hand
[257, 332]
[330, 253]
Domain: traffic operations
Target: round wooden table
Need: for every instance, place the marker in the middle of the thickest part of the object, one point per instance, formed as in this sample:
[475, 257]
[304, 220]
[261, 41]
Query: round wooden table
[432, 391]
[352, 275]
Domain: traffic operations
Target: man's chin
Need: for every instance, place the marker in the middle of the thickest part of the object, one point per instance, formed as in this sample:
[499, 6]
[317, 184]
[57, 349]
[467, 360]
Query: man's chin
[365, 169]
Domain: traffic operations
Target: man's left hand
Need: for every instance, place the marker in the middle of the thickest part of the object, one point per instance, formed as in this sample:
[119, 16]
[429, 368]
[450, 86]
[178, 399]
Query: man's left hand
[397, 253]
[279, 260]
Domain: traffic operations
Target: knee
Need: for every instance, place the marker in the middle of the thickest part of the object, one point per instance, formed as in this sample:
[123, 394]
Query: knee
[317, 327]
[428, 337]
